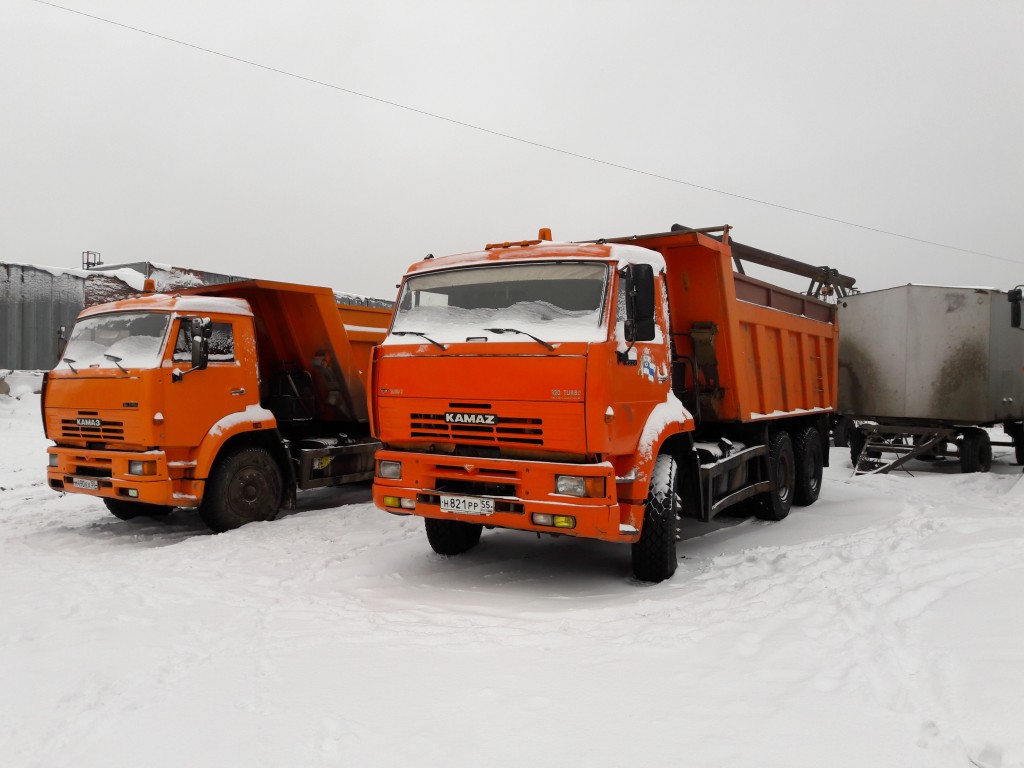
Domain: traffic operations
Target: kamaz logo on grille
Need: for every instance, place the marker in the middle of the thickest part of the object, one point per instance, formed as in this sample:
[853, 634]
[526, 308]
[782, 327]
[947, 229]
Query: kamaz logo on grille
[88, 422]
[451, 417]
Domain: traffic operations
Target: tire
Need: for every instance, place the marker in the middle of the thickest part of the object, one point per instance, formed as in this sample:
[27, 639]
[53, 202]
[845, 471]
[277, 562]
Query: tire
[129, 510]
[810, 463]
[975, 451]
[451, 537]
[654, 555]
[1018, 450]
[245, 486]
[782, 465]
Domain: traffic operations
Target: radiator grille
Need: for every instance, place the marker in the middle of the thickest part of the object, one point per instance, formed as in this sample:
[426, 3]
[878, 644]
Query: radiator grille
[106, 430]
[515, 430]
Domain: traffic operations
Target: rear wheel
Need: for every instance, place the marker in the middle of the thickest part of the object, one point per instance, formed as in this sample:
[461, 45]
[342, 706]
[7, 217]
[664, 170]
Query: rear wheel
[451, 537]
[975, 451]
[782, 464]
[654, 555]
[244, 487]
[128, 510]
[809, 466]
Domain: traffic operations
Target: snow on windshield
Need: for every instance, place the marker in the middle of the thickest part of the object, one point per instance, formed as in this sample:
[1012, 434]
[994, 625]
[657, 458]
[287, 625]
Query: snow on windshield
[136, 338]
[555, 302]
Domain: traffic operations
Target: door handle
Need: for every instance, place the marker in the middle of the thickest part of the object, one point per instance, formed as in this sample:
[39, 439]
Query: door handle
[237, 392]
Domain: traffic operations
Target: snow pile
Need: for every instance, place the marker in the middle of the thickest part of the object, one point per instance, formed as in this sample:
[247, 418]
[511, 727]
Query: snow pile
[880, 627]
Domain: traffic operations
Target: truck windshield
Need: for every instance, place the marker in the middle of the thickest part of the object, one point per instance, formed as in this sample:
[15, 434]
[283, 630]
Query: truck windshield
[556, 302]
[134, 338]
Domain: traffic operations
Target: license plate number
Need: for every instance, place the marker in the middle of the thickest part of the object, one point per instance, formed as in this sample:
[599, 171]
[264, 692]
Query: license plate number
[86, 484]
[467, 505]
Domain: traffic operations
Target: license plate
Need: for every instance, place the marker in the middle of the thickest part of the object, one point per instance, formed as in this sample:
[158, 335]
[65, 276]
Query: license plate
[467, 505]
[85, 483]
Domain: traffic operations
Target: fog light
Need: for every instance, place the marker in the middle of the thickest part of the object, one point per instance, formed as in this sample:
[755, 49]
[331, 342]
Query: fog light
[54, 460]
[408, 503]
[570, 485]
[565, 521]
[141, 467]
[390, 470]
[133, 492]
[541, 519]
[392, 501]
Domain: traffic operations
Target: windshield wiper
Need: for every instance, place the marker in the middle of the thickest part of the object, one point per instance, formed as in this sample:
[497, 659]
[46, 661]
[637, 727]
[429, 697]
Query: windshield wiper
[524, 333]
[417, 333]
[69, 361]
[117, 361]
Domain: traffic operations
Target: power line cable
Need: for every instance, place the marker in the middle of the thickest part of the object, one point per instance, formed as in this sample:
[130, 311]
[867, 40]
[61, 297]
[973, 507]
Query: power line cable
[529, 142]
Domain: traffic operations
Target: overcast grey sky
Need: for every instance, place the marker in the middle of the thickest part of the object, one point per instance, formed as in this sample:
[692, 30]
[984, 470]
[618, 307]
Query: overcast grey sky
[900, 115]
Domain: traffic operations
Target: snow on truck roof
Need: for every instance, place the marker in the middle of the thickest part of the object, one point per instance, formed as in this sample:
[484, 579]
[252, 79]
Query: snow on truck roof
[164, 302]
[545, 249]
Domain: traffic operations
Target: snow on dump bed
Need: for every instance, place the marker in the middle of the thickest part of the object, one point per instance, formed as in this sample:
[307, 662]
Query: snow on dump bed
[880, 627]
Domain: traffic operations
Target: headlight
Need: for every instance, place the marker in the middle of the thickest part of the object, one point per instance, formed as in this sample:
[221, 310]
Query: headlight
[571, 485]
[390, 470]
[54, 460]
[141, 467]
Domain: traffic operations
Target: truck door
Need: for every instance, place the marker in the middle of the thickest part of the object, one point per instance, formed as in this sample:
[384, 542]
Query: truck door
[640, 376]
[201, 398]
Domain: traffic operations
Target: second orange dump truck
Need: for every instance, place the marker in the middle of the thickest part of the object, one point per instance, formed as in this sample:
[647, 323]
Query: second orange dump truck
[227, 398]
[603, 390]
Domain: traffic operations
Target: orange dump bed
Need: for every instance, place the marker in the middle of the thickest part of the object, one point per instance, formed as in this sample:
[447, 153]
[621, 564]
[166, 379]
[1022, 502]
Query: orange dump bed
[759, 351]
[301, 327]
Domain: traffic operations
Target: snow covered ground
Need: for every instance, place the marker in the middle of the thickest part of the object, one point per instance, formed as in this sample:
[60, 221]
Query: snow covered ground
[883, 626]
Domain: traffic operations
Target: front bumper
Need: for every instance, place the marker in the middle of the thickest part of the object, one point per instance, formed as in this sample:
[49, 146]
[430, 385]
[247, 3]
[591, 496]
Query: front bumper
[105, 474]
[519, 489]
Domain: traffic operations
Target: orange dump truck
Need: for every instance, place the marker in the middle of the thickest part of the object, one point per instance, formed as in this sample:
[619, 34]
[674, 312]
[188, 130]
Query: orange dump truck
[225, 398]
[603, 390]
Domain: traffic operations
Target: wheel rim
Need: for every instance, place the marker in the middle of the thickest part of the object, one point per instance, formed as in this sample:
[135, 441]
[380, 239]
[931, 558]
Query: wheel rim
[787, 474]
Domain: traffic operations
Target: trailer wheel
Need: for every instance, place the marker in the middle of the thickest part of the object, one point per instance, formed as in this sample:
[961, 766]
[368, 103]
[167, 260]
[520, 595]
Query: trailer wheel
[782, 464]
[451, 537]
[809, 466]
[245, 486]
[654, 555]
[857, 440]
[975, 451]
[129, 510]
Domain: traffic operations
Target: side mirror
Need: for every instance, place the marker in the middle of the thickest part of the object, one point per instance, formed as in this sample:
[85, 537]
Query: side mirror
[201, 330]
[639, 325]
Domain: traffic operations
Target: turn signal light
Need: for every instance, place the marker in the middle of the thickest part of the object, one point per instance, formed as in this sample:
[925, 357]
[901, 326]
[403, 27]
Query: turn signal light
[141, 467]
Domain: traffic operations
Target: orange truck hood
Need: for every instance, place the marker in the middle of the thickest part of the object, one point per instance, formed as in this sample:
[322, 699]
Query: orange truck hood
[120, 405]
[509, 400]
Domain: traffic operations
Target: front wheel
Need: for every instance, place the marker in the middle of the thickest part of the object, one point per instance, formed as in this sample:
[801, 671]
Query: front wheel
[451, 537]
[654, 555]
[245, 486]
[129, 510]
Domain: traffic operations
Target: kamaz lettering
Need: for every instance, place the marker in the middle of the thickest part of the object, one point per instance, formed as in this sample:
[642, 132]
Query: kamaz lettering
[470, 418]
[88, 422]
